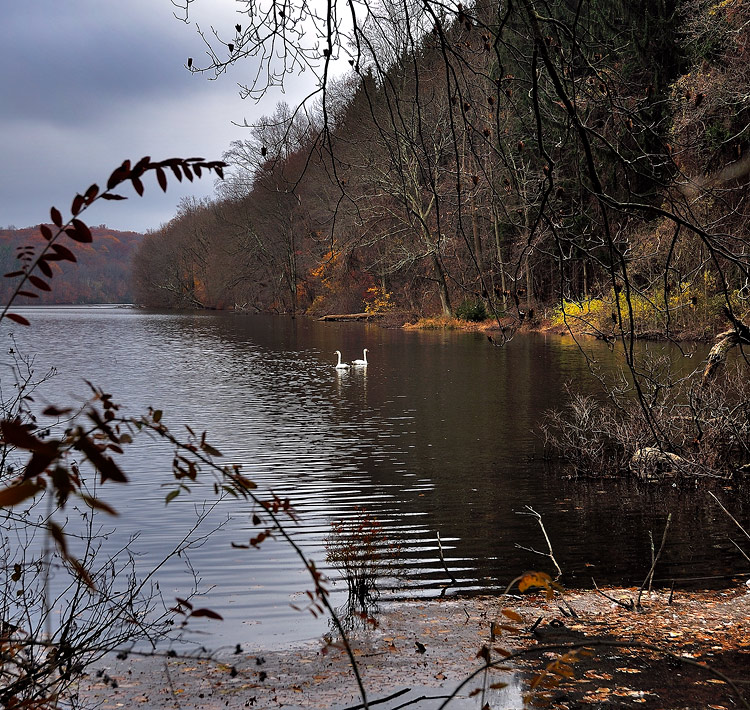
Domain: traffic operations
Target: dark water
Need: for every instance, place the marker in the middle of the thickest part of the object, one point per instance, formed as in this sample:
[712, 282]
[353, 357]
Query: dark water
[438, 435]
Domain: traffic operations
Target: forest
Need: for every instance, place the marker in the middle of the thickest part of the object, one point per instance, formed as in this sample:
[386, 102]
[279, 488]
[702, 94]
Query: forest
[588, 165]
[101, 275]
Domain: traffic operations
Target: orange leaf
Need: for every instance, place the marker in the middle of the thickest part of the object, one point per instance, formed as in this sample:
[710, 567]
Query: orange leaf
[514, 616]
[534, 579]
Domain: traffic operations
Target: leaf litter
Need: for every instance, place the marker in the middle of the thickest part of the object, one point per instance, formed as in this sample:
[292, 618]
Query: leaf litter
[712, 627]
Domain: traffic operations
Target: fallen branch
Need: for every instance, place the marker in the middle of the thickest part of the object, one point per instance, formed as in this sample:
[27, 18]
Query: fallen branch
[630, 606]
[724, 342]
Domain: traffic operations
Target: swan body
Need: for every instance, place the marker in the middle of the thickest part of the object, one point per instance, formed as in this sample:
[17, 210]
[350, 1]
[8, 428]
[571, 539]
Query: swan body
[341, 365]
[363, 363]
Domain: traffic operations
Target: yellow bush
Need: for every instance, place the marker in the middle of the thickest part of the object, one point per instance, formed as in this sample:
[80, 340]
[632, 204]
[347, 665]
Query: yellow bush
[378, 301]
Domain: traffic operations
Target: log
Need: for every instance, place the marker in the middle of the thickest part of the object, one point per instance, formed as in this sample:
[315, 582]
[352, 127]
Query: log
[723, 343]
[350, 316]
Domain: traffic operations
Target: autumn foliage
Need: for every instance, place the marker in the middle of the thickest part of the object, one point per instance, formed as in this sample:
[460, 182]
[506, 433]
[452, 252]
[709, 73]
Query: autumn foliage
[102, 274]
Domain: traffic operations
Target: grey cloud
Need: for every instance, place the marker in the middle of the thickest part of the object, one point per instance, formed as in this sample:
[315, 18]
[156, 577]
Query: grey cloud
[88, 83]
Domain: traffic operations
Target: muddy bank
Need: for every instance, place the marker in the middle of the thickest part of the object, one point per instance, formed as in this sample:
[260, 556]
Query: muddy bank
[425, 649]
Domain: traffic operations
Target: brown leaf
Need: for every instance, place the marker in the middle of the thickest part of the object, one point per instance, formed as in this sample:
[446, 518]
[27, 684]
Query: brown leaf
[44, 267]
[514, 616]
[211, 451]
[64, 253]
[161, 177]
[40, 283]
[97, 504]
[108, 469]
[83, 229]
[46, 231]
[118, 175]
[39, 462]
[78, 202]
[78, 236]
[58, 536]
[56, 217]
[13, 495]
[137, 185]
[91, 193]
[18, 319]
[208, 613]
[17, 434]
[81, 571]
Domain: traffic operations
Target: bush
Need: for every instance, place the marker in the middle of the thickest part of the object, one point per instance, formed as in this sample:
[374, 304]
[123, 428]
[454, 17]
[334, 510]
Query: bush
[474, 311]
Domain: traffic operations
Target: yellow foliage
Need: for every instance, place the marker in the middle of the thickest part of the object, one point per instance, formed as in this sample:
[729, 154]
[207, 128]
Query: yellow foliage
[694, 305]
[327, 268]
[378, 301]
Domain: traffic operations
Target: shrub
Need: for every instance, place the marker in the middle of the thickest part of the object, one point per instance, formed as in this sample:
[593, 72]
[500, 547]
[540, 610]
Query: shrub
[364, 553]
[474, 311]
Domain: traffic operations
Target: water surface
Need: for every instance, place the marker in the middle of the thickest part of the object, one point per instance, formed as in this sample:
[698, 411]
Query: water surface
[438, 435]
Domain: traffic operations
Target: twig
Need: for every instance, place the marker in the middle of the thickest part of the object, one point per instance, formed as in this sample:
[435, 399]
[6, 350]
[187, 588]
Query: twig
[653, 559]
[420, 699]
[530, 511]
[629, 606]
[397, 694]
[442, 559]
[650, 574]
[733, 519]
[170, 684]
[742, 552]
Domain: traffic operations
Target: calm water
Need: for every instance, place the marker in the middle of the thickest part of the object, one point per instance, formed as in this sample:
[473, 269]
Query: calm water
[436, 436]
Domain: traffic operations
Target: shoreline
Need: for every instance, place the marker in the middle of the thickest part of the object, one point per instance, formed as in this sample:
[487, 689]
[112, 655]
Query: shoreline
[426, 648]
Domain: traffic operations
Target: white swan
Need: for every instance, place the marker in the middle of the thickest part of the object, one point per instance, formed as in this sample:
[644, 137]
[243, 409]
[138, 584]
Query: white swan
[341, 365]
[361, 362]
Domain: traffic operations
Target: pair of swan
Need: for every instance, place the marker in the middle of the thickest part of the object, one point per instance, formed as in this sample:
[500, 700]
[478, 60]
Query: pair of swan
[345, 365]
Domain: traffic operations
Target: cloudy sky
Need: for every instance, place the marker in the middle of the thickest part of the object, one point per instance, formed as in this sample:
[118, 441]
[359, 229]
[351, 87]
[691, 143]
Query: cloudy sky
[88, 83]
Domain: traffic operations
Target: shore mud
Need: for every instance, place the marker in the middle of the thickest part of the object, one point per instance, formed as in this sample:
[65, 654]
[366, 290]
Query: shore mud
[422, 651]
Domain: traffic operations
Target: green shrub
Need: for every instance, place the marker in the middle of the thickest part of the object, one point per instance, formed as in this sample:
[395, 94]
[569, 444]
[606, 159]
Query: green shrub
[474, 311]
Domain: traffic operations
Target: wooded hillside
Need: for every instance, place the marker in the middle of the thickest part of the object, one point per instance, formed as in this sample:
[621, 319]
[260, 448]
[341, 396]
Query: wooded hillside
[593, 155]
[101, 275]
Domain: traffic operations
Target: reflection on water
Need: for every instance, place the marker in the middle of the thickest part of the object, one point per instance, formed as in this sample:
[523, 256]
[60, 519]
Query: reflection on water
[437, 434]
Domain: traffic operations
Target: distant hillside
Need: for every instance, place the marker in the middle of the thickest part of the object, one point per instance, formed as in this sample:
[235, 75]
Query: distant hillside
[102, 274]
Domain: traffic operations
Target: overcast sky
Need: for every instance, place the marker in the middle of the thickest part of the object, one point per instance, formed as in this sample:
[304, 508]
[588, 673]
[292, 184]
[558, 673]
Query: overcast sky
[87, 83]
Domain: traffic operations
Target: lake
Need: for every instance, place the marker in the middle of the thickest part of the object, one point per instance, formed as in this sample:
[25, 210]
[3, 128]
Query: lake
[438, 435]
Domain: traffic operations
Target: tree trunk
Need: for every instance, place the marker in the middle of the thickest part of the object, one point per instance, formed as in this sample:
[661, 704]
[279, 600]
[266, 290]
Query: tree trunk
[445, 300]
[500, 262]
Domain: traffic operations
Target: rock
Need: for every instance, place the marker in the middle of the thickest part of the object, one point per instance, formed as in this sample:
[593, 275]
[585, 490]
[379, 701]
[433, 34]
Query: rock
[652, 464]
